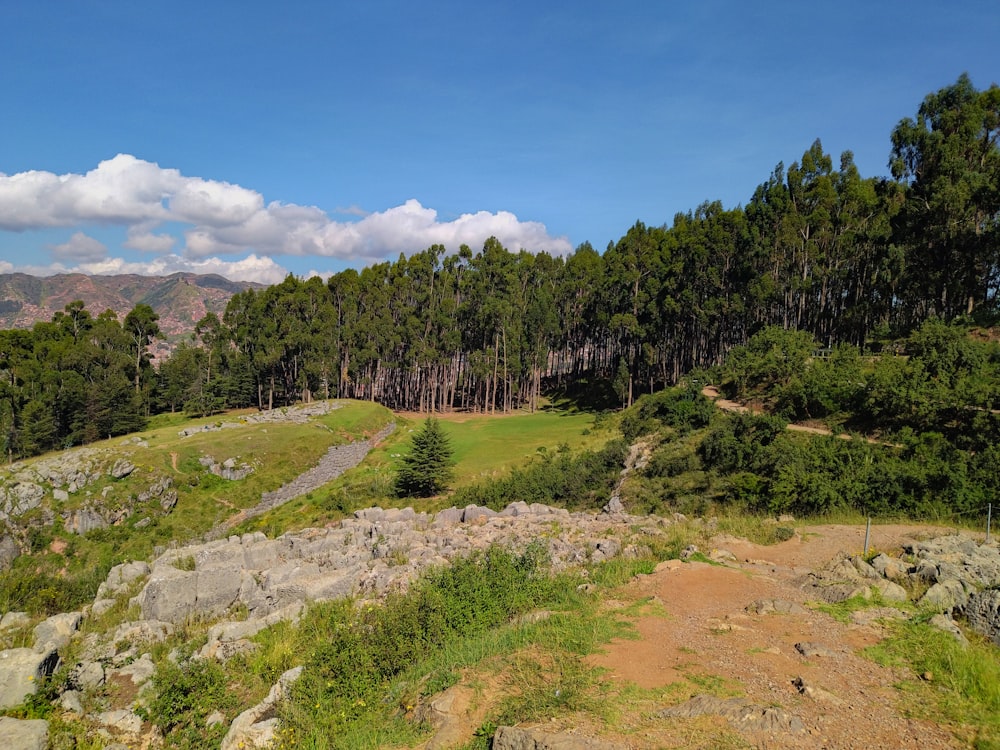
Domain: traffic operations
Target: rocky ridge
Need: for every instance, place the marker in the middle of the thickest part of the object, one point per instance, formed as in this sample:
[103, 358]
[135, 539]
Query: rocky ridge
[270, 580]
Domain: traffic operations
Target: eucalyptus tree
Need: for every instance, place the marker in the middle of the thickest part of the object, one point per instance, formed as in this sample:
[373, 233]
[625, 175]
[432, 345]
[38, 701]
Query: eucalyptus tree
[948, 156]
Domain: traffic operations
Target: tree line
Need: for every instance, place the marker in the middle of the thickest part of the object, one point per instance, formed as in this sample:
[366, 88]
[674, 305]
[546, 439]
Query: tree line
[820, 249]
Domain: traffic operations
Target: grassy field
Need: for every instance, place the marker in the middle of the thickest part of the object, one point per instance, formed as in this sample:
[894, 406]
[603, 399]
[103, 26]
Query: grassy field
[484, 446]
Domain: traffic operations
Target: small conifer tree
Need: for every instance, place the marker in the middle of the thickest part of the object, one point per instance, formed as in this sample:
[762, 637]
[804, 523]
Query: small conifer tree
[427, 469]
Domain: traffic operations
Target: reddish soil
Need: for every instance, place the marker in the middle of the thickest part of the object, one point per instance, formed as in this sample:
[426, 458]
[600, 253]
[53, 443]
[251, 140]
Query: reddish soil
[696, 625]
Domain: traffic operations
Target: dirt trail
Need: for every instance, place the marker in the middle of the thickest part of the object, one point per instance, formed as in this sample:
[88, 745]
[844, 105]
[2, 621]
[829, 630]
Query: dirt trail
[696, 625]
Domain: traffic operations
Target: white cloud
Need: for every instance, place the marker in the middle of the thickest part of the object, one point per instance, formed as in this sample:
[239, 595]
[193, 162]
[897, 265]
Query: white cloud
[80, 248]
[140, 237]
[251, 268]
[222, 218]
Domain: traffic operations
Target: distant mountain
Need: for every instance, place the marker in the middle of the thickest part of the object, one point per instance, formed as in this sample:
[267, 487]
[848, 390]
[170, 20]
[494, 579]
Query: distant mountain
[180, 299]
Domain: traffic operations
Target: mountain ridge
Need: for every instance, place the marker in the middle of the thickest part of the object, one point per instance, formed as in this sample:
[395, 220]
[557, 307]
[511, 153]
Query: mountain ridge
[180, 299]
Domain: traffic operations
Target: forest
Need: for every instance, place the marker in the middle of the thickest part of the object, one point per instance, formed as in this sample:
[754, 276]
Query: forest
[845, 259]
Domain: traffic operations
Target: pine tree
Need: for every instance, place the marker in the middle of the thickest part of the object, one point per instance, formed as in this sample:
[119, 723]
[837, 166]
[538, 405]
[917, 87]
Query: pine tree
[427, 469]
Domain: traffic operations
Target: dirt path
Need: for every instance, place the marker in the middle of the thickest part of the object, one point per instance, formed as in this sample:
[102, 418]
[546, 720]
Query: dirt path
[697, 626]
[712, 393]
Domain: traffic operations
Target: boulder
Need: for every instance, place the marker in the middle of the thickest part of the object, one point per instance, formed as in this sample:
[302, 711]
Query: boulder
[24, 734]
[9, 551]
[122, 468]
[169, 595]
[120, 576]
[87, 675]
[21, 670]
[56, 631]
[121, 720]
[948, 625]
[473, 513]
[256, 726]
[14, 620]
[139, 672]
[983, 613]
[946, 595]
[890, 591]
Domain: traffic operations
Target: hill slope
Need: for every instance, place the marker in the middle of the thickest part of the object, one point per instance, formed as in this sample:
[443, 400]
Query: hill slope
[180, 299]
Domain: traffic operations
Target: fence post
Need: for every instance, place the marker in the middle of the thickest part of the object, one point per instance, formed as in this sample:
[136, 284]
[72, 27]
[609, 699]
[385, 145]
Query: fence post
[989, 519]
[868, 534]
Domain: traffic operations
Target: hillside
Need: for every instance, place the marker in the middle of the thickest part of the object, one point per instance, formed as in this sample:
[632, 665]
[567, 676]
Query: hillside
[502, 622]
[180, 299]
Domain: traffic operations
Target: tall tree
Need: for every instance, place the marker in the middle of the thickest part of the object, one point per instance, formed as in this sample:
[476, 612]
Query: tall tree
[141, 326]
[949, 157]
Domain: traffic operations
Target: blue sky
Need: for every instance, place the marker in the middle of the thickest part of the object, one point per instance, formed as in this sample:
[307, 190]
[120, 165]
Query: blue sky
[255, 139]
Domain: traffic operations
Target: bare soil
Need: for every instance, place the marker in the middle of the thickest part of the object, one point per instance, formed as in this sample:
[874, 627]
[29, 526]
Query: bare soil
[697, 631]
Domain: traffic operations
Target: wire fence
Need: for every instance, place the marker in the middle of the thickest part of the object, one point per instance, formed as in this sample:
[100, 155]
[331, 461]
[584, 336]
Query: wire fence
[973, 518]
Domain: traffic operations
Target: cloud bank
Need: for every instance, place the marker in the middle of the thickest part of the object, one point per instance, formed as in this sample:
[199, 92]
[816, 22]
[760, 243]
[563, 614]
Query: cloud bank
[219, 219]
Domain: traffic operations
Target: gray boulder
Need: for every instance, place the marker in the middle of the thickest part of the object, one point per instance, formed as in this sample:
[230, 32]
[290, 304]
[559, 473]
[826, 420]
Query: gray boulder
[9, 551]
[473, 513]
[24, 734]
[169, 595]
[122, 468]
[256, 726]
[983, 613]
[120, 576]
[56, 631]
[21, 670]
[948, 625]
[14, 620]
[946, 595]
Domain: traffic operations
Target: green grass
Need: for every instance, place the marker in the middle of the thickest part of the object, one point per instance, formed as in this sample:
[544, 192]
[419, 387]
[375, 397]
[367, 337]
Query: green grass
[963, 689]
[487, 446]
[47, 582]
[484, 446]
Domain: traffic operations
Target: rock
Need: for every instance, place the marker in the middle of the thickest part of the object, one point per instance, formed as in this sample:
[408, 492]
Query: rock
[169, 595]
[71, 701]
[775, 606]
[889, 591]
[87, 675]
[120, 576]
[256, 726]
[102, 606]
[24, 734]
[816, 693]
[520, 738]
[84, 520]
[615, 506]
[889, 567]
[9, 551]
[139, 672]
[14, 620]
[983, 614]
[810, 650]
[214, 718]
[56, 631]
[122, 468]
[722, 556]
[473, 513]
[448, 517]
[60, 496]
[948, 625]
[740, 714]
[21, 670]
[606, 549]
[121, 720]
[946, 595]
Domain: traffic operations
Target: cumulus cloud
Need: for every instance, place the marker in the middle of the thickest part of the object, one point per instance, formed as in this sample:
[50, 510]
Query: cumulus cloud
[221, 218]
[252, 268]
[80, 248]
